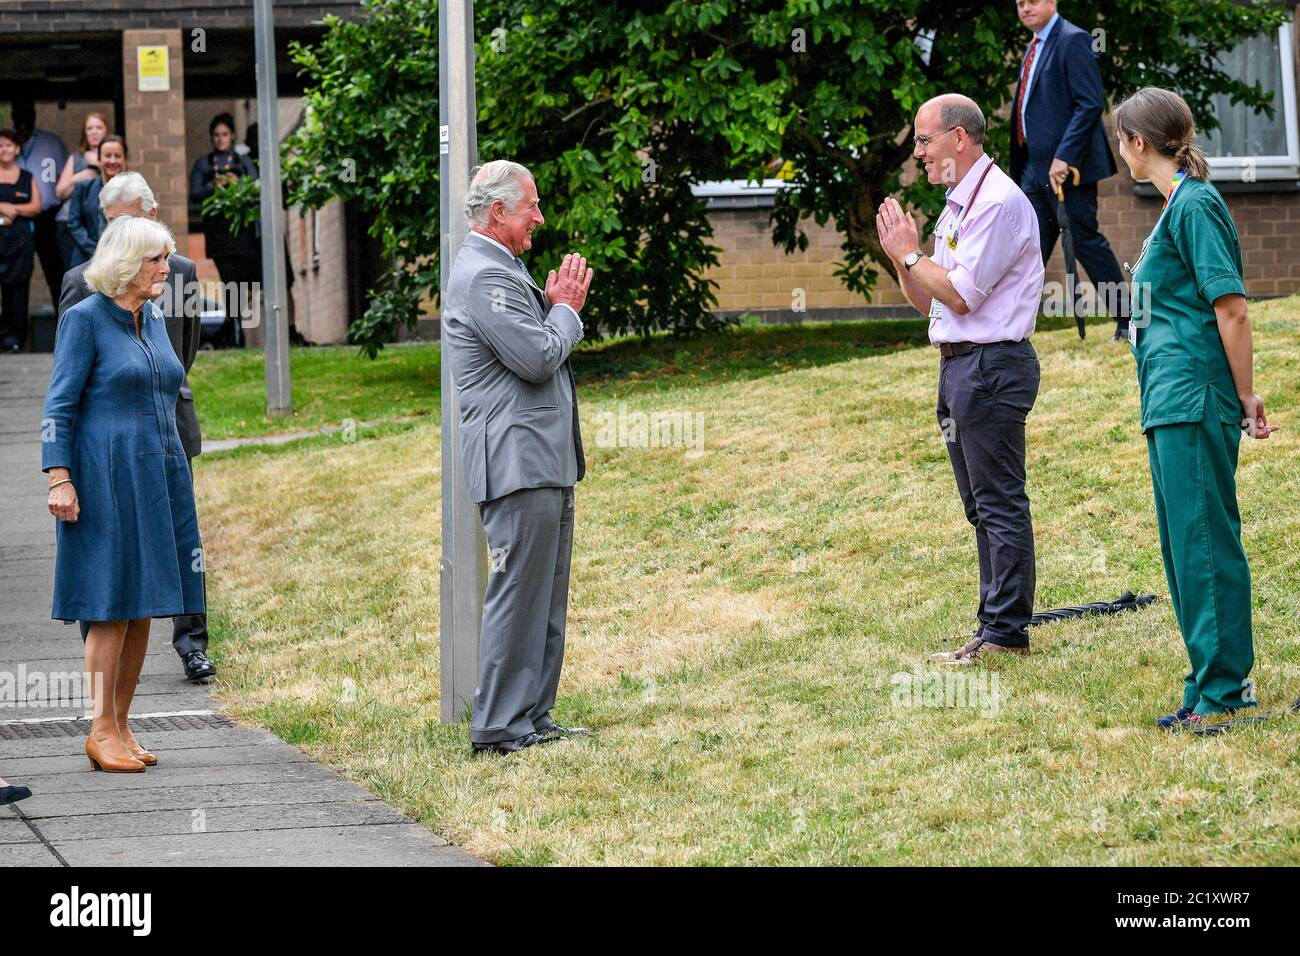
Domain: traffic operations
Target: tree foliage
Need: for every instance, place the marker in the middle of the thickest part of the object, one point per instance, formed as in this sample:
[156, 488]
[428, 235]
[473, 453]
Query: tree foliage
[619, 107]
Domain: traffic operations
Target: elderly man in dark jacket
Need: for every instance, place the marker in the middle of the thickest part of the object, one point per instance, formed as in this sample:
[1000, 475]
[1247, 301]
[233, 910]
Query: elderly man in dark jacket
[127, 194]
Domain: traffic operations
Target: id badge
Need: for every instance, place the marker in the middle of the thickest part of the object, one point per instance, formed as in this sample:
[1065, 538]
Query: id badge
[1132, 333]
[936, 309]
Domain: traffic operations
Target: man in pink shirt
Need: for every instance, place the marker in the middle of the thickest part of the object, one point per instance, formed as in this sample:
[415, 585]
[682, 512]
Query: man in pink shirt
[981, 289]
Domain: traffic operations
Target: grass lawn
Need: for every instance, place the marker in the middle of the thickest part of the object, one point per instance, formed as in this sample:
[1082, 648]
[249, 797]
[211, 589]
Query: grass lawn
[334, 384]
[741, 621]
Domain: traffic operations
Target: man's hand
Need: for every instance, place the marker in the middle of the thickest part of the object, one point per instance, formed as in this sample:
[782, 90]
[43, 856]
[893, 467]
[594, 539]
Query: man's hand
[1058, 173]
[898, 233]
[569, 286]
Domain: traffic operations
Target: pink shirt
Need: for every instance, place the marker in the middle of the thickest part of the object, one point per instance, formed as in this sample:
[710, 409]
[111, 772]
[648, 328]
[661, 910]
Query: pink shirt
[997, 265]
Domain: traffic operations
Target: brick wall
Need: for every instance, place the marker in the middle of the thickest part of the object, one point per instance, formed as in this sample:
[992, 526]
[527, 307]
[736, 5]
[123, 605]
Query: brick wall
[155, 126]
[755, 275]
[320, 293]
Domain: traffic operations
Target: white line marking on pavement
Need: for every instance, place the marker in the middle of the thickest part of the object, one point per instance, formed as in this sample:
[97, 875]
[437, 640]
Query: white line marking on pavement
[55, 720]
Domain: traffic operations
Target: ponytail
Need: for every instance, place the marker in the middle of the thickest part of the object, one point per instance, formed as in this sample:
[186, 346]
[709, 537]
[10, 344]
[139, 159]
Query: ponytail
[1191, 158]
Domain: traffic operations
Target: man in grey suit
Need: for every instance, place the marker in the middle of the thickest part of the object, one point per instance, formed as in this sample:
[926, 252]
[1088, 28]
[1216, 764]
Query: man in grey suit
[508, 343]
[127, 194]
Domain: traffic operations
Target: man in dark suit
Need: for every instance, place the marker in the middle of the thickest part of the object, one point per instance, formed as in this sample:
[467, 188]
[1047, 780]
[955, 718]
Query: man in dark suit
[1057, 124]
[127, 194]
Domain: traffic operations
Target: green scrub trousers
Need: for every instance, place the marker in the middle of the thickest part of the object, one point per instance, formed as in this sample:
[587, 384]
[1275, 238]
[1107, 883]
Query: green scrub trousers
[1192, 419]
[1192, 470]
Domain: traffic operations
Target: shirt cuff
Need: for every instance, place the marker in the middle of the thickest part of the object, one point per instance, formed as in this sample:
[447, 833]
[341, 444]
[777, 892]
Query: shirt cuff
[964, 283]
[565, 305]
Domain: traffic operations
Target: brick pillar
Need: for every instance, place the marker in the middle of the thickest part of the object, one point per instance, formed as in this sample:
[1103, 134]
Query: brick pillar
[155, 128]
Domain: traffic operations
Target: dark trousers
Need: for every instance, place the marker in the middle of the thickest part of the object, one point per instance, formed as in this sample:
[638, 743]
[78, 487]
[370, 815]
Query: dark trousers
[244, 270]
[521, 643]
[67, 244]
[984, 399]
[1091, 249]
[13, 311]
[47, 250]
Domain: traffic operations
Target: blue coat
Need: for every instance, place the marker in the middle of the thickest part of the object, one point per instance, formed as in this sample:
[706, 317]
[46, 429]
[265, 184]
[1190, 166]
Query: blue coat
[85, 220]
[110, 419]
[1063, 111]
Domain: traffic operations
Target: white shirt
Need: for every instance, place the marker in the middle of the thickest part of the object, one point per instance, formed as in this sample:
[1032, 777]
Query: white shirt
[1042, 35]
[486, 238]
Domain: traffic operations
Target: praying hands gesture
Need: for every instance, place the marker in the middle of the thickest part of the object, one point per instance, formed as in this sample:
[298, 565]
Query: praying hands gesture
[899, 236]
[569, 286]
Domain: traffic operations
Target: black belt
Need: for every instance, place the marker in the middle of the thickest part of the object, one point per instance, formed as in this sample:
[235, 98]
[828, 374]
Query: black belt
[949, 349]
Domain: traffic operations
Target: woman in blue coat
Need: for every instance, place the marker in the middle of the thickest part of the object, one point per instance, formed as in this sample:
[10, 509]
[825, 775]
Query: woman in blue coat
[128, 537]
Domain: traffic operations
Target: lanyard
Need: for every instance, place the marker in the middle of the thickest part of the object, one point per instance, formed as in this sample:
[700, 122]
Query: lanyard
[1178, 180]
[965, 211]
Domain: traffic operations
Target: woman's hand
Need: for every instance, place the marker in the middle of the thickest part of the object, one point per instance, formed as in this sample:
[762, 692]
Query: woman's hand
[1253, 420]
[9, 211]
[63, 503]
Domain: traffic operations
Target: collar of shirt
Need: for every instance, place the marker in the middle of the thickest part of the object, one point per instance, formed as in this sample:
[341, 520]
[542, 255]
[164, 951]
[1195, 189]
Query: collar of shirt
[1046, 31]
[957, 196]
[512, 256]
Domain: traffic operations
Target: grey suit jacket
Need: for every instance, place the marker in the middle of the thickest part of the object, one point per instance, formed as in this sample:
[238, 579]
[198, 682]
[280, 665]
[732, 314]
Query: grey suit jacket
[509, 349]
[180, 299]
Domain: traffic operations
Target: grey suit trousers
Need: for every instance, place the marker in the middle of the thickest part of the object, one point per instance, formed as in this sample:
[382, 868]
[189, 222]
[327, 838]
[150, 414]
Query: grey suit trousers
[521, 644]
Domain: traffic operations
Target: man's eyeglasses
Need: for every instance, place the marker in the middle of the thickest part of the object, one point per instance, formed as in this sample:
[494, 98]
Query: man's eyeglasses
[925, 141]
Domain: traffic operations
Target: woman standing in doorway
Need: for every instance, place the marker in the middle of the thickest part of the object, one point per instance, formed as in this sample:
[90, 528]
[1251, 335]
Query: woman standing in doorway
[237, 253]
[20, 203]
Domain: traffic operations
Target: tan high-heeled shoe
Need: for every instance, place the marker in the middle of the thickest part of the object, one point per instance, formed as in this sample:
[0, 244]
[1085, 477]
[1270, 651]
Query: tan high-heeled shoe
[101, 759]
[135, 750]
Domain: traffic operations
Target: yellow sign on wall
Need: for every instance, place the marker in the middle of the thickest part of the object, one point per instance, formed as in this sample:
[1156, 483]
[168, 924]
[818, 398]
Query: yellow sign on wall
[154, 75]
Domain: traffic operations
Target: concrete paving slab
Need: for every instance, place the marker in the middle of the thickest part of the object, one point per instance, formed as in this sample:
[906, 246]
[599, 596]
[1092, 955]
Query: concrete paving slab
[406, 844]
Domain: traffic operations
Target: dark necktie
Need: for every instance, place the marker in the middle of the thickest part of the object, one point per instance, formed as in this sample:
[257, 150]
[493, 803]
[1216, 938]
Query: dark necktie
[1024, 88]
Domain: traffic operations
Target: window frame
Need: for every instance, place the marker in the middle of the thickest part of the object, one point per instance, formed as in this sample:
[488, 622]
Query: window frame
[1275, 167]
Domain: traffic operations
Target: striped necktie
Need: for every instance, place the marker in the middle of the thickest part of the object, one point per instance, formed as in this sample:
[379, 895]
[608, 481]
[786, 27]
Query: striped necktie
[1024, 83]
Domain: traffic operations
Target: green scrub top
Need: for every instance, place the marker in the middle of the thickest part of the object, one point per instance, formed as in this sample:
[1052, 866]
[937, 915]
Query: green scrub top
[1193, 256]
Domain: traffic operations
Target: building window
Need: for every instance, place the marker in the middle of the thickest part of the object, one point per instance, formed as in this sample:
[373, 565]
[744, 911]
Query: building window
[1250, 146]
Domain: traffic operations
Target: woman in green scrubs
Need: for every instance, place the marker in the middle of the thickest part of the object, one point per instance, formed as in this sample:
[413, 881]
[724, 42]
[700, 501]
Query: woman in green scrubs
[1191, 337]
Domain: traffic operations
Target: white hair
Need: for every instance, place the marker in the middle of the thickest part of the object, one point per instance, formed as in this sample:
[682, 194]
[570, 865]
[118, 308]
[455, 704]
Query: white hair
[500, 179]
[122, 248]
[126, 188]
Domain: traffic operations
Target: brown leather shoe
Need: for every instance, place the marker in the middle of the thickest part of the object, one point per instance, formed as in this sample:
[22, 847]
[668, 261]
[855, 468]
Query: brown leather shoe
[949, 657]
[973, 650]
[135, 750]
[103, 759]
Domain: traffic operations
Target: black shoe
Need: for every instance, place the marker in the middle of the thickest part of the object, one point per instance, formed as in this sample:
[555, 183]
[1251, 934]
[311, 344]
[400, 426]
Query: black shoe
[510, 746]
[556, 732]
[13, 794]
[197, 666]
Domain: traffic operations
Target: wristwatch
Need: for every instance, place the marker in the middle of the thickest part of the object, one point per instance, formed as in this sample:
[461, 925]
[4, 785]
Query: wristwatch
[912, 259]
